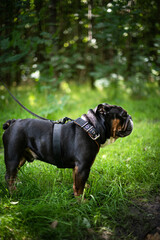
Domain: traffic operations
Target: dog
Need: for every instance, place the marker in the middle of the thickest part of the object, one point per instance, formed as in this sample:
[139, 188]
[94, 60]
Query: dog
[74, 144]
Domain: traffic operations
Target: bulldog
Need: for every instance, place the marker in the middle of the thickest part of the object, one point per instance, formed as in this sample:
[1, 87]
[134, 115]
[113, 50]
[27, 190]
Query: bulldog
[74, 144]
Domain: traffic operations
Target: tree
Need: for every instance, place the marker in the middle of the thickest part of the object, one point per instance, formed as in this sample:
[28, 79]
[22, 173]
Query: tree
[80, 40]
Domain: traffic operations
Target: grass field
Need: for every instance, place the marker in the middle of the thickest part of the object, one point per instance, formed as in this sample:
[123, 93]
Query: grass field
[125, 174]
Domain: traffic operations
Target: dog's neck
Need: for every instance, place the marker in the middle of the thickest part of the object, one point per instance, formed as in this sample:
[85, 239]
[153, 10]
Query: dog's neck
[101, 128]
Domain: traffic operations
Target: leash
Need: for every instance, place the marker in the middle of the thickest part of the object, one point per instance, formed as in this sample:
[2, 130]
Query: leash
[15, 99]
[63, 120]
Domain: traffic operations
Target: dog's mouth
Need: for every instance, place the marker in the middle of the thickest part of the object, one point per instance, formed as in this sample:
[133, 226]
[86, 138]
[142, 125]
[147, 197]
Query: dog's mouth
[126, 129]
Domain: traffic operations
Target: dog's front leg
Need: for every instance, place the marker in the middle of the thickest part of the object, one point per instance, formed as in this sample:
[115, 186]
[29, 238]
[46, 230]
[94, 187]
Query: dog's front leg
[80, 177]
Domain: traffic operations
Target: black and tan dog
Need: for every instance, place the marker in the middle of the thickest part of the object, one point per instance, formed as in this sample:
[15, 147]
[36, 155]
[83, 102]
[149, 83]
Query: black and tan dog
[74, 145]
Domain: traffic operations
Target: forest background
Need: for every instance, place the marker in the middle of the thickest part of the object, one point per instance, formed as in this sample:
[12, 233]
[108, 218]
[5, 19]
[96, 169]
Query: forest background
[103, 42]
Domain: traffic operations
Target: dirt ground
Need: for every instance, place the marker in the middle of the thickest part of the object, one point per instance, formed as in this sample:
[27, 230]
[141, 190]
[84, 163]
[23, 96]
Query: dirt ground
[142, 223]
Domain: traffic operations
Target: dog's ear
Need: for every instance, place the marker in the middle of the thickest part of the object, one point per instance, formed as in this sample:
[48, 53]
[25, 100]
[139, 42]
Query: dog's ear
[103, 108]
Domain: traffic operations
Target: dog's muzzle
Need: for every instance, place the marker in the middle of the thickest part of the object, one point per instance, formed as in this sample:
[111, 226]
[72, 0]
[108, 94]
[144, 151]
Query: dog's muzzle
[127, 128]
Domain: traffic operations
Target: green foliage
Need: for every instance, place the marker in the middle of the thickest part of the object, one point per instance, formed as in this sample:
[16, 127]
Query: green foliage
[123, 173]
[80, 41]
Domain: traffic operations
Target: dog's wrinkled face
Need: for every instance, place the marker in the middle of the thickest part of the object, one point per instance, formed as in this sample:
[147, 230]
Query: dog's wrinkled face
[120, 121]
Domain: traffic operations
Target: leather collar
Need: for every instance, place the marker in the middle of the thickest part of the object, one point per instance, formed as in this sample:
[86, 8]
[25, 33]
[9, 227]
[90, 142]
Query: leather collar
[89, 129]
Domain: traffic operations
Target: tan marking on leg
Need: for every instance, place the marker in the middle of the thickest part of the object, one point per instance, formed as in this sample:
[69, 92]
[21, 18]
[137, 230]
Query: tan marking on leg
[31, 153]
[22, 162]
[78, 185]
[75, 172]
[11, 185]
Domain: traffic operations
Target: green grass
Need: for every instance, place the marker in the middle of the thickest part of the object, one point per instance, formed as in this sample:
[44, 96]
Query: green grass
[123, 172]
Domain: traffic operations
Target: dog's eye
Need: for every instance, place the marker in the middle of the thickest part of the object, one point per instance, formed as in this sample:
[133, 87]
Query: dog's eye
[124, 114]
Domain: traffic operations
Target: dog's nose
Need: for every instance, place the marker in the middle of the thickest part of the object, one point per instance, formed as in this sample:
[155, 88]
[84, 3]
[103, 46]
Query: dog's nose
[130, 125]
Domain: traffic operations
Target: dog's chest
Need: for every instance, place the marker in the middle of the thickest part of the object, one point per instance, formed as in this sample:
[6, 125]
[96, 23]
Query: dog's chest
[108, 141]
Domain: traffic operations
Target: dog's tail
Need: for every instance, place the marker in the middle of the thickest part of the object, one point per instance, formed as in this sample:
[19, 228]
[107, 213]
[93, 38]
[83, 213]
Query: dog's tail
[8, 123]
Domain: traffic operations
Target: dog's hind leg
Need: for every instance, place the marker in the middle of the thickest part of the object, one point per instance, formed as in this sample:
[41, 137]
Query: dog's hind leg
[14, 146]
[12, 161]
[11, 174]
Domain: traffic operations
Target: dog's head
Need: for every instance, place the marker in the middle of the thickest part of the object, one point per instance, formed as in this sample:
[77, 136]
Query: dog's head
[120, 122]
